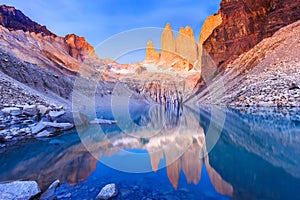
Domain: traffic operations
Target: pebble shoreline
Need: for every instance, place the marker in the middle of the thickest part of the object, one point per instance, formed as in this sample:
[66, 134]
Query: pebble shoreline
[18, 122]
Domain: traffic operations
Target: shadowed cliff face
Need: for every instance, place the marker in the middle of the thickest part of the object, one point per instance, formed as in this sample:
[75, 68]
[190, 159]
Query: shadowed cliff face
[267, 75]
[245, 23]
[258, 152]
[14, 19]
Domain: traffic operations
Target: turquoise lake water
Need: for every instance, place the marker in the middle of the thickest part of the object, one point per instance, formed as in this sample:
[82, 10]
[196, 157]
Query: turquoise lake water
[169, 153]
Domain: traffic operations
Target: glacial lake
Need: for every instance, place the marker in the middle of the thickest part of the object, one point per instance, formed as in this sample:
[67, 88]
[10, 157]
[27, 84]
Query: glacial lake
[169, 153]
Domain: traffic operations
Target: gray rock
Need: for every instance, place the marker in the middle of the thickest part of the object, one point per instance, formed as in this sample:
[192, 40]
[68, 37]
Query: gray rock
[39, 127]
[50, 191]
[42, 125]
[43, 109]
[30, 110]
[8, 137]
[108, 191]
[19, 190]
[103, 121]
[55, 114]
[44, 133]
[12, 111]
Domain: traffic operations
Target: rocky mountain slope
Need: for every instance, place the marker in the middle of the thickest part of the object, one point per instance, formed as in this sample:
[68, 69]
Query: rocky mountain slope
[173, 75]
[31, 42]
[267, 75]
[25, 41]
[245, 23]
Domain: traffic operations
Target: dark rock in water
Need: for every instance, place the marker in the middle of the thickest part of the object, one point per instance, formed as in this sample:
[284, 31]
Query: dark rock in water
[19, 190]
[50, 191]
[108, 191]
[2, 139]
[76, 117]
[2, 127]
[56, 141]
[46, 133]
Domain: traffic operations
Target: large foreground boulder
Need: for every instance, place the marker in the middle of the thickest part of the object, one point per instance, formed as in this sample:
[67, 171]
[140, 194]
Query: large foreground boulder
[19, 190]
[108, 191]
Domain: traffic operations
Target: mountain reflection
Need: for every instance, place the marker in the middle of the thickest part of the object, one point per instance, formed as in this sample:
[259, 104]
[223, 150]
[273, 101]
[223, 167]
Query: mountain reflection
[256, 156]
[172, 134]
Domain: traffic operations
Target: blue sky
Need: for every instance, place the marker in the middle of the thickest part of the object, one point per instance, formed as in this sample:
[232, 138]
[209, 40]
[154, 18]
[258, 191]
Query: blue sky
[99, 20]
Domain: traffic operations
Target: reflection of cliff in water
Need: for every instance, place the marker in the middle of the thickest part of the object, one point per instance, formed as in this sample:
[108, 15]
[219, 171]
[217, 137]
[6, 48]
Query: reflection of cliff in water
[64, 158]
[170, 134]
[256, 156]
[258, 152]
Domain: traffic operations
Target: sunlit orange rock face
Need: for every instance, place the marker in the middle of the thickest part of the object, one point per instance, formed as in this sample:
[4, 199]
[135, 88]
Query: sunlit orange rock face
[151, 53]
[209, 25]
[179, 54]
[245, 23]
[186, 45]
[78, 46]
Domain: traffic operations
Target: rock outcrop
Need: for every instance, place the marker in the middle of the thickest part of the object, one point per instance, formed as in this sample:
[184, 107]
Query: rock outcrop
[209, 25]
[179, 54]
[245, 23]
[185, 44]
[34, 43]
[79, 48]
[19, 190]
[167, 42]
[151, 53]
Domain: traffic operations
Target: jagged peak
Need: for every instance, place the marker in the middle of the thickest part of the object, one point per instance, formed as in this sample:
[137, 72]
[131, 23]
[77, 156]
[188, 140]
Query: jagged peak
[13, 19]
[187, 31]
[209, 25]
[151, 53]
[74, 37]
[150, 44]
[168, 26]
[8, 8]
